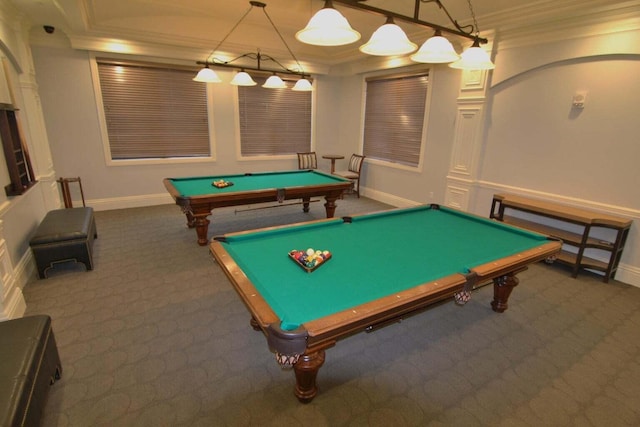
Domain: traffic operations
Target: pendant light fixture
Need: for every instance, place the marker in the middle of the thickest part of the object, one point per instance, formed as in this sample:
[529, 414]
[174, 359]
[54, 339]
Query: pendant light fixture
[242, 78]
[302, 85]
[207, 75]
[328, 28]
[436, 50]
[388, 40]
[274, 82]
[474, 58]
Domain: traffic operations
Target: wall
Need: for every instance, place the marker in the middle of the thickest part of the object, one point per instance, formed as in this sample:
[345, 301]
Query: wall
[71, 113]
[394, 184]
[20, 215]
[533, 143]
[538, 145]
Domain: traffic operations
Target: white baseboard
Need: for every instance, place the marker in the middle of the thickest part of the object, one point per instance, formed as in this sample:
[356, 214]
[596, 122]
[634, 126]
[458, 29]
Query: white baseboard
[129, 202]
[387, 198]
[164, 199]
[626, 273]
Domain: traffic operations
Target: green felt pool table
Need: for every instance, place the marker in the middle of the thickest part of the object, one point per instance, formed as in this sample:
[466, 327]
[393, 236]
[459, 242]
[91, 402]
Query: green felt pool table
[383, 266]
[198, 196]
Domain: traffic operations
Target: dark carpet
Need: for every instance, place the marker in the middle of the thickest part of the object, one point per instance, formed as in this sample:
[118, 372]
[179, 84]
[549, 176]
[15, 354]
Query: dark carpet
[156, 336]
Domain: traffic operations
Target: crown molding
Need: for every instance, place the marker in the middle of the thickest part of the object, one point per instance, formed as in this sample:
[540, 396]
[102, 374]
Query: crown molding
[549, 21]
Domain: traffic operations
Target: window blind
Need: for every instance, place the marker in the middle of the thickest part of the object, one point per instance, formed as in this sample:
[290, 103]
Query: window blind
[274, 121]
[153, 111]
[394, 118]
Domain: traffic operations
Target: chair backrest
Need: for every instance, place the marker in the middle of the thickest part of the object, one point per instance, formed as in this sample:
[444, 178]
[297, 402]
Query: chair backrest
[355, 163]
[307, 160]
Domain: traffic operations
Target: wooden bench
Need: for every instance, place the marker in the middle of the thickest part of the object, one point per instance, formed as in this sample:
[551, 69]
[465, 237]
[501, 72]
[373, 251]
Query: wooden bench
[29, 365]
[63, 235]
[590, 240]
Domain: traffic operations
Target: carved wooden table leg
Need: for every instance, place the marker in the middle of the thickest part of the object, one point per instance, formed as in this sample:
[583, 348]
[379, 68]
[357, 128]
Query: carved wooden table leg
[330, 206]
[502, 287]
[305, 204]
[191, 220]
[306, 370]
[254, 324]
[202, 228]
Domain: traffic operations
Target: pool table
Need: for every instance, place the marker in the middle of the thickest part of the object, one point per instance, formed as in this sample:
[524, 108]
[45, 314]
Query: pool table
[198, 196]
[382, 267]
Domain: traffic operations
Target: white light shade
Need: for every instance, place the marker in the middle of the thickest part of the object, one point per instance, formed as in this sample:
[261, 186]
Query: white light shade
[303, 85]
[243, 79]
[207, 75]
[388, 40]
[436, 50]
[328, 28]
[274, 82]
[474, 58]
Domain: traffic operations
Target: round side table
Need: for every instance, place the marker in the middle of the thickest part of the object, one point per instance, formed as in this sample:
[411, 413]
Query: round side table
[333, 158]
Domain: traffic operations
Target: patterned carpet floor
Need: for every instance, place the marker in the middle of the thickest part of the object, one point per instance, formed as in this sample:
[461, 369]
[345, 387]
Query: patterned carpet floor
[156, 336]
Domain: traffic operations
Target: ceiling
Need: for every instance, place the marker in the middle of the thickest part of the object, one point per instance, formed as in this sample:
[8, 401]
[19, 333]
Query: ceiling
[197, 26]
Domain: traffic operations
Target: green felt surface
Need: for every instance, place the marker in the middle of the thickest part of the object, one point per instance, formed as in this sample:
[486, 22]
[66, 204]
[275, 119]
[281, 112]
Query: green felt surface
[373, 256]
[201, 185]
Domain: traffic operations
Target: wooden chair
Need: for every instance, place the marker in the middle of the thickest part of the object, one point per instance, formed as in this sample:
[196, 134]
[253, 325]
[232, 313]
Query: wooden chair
[307, 160]
[353, 171]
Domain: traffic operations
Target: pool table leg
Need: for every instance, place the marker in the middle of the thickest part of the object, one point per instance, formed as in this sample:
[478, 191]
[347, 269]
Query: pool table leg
[502, 287]
[191, 220]
[202, 228]
[330, 206]
[306, 370]
[201, 224]
[305, 204]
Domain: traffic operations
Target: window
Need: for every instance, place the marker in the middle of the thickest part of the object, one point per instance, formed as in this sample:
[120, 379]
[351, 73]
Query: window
[273, 121]
[153, 111]
[394, 118]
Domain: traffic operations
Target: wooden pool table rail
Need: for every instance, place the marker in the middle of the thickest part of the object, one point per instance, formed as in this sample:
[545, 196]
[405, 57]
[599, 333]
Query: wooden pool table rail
[315, 336]
[198, 208]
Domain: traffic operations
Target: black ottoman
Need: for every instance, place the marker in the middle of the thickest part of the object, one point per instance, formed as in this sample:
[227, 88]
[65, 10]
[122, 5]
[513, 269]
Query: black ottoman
[63, 235]
[29, 364]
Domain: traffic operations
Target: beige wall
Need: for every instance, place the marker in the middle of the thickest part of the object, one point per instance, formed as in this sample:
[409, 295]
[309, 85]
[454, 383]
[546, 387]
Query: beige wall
[532, 142]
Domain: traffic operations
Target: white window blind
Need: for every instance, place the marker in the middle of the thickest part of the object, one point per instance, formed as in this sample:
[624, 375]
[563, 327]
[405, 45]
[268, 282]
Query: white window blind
[153, 111]
[274, 121]
[394, 118]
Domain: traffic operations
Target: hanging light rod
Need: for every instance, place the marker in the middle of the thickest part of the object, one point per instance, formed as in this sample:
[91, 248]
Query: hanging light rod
[459, 30]
[259, 58]
[328, 27]
[207, 75]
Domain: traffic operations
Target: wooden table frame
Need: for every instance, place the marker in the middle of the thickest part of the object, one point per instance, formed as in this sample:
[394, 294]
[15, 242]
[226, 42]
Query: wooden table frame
[198, 208]
[304, 348]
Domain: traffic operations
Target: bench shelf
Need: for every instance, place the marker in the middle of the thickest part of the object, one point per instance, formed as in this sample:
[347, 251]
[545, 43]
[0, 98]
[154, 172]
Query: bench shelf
[587, 236]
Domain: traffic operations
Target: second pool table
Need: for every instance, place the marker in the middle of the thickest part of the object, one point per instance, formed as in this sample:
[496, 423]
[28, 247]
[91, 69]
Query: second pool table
[197, 196]
[383, 267]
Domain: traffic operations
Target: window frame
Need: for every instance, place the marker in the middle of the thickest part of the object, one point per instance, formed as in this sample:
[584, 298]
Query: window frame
[238, 139]
[390, 74]
[109, 161]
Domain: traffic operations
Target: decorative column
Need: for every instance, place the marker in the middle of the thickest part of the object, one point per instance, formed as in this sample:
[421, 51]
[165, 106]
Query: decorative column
[468, 137]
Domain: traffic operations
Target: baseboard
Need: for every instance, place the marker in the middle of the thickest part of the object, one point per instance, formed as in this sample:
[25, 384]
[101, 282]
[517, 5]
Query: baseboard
[164, 199]
[387, 198]
[628, 274]
[129, 202]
